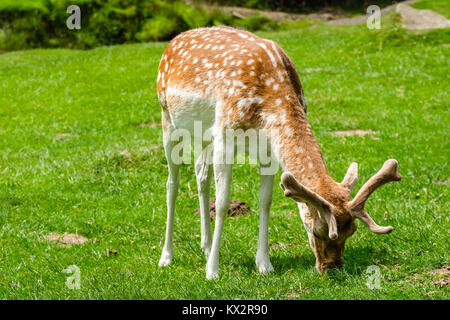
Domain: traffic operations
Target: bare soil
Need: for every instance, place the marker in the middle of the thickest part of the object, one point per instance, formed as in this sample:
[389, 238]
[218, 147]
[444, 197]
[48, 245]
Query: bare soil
[349, 133]
[324, 15]
[150, 124]
[66, 239]
[237, 208]
[415, 19]
[444, 274]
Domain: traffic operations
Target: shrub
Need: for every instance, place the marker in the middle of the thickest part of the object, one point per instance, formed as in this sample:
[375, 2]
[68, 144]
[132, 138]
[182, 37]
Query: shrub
[42, 23]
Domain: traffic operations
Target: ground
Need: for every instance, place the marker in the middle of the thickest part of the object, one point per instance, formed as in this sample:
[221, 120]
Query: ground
[81, 155]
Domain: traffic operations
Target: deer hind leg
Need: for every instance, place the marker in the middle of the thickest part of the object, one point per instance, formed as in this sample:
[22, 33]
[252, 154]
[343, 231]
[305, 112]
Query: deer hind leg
[265, 200]
[172, 191]
[222, 175]
[203, 171]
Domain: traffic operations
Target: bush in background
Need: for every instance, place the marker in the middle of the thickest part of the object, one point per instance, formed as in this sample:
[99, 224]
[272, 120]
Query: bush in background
[299, 6]
[42, 23]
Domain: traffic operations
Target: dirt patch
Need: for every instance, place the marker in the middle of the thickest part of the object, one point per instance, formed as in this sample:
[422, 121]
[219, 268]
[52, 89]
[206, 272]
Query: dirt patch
[63, 136]
[297, 293]
[66, 239]
[325, 14]
[349, 133]
[311, 70]
[126, 154]
[415, 19]
[237, 208]
[152, 148]
[281, 245]
[151, 124]
[444, 274]
[444, 182]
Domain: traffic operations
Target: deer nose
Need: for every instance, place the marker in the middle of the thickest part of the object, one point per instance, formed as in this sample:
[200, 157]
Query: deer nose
[332, 265]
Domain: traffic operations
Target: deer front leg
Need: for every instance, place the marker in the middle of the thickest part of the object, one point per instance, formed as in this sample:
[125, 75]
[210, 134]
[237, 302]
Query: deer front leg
[203, 171]
[265, 200]
[222, 175]
[172, 192]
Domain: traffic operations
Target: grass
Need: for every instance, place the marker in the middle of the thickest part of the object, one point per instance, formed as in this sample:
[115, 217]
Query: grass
[67, 115]
[440, 6]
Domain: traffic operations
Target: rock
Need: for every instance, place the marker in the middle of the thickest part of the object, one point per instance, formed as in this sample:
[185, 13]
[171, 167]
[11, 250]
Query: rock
[415, 19]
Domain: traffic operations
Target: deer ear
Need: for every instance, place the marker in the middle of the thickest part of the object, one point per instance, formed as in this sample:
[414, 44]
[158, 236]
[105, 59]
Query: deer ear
[300, 193]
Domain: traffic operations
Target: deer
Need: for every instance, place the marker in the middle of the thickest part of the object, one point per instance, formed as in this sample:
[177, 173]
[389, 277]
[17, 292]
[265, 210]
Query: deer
[229, 78]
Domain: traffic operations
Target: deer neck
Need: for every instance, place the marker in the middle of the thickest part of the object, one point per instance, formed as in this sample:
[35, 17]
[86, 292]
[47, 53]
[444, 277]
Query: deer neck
[297, 149]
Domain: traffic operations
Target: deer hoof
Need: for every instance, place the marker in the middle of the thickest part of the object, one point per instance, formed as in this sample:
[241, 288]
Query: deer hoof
[166, 259]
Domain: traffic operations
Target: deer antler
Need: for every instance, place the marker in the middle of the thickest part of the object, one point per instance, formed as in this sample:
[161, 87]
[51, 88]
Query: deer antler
[295, 190]
[386, 174]
[351, 177]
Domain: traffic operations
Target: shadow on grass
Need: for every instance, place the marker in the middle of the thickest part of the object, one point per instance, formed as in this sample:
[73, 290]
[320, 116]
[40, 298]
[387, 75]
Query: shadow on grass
[356, 263]
[282, 262]
[357, 260]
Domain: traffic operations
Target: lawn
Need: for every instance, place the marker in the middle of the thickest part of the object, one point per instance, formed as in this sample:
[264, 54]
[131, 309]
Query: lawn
[81, 152]
[440, 6]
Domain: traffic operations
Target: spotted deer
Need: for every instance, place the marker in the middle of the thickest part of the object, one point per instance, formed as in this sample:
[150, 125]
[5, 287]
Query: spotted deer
[232, 79]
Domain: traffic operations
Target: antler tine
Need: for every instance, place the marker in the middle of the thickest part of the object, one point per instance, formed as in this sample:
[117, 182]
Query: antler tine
[386, 174]
[351, 177]
[368, 221]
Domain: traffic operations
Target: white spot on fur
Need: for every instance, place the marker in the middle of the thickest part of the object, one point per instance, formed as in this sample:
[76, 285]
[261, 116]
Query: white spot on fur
[298, 150]
[244, 103]
[272, 58]
[269, 81]
[289, 132]
[269, 118]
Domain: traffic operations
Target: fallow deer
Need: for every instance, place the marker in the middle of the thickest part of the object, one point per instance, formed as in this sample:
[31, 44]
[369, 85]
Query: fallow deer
[231, 79]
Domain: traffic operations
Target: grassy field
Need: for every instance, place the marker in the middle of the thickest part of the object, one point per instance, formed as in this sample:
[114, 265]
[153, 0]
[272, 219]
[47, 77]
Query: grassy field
[81, 152]
[439, 6]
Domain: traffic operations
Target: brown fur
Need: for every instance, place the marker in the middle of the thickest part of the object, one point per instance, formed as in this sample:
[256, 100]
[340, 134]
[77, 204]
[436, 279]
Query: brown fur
[254, 84]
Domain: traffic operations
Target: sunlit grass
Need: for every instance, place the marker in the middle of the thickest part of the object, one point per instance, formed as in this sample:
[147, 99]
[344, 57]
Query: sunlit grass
[65, 117]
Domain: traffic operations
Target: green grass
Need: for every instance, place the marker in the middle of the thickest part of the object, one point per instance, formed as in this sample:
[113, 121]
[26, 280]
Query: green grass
[387, 80]
[440, 6]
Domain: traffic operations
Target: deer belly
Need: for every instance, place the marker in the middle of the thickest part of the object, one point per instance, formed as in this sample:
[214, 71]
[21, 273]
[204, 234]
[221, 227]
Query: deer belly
[189, 110]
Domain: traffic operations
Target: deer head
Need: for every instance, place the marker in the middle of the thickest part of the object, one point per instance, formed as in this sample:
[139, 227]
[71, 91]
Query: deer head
[329, 214]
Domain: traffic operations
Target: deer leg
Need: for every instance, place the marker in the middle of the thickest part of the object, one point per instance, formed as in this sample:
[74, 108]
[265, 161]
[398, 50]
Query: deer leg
[203, 171]
[222, 175]
[172, 191]
[265, 200]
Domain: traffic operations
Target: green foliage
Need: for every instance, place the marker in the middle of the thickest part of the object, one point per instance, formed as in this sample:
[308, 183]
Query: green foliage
[159, 27]
[257, 22]
[42, 23]
[301, 6]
